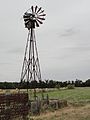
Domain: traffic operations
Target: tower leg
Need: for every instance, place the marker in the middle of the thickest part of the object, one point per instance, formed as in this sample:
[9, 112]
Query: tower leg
[31, 66]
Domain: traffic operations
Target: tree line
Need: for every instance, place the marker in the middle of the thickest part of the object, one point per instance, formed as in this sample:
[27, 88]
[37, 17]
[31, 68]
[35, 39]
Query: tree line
[43, 84]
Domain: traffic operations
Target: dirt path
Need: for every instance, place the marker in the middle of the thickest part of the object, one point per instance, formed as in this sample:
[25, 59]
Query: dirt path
[68, 113]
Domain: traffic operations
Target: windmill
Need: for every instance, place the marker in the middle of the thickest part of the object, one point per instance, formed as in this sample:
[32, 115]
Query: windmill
[31, 66]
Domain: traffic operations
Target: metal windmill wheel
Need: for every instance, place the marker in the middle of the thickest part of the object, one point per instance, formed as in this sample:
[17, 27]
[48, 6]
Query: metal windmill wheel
[33, 17]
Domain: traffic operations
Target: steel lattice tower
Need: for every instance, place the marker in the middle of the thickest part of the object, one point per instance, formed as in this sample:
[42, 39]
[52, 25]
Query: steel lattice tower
[31, 67]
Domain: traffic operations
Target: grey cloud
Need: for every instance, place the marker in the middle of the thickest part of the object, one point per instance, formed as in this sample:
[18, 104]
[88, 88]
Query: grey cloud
[69, 32]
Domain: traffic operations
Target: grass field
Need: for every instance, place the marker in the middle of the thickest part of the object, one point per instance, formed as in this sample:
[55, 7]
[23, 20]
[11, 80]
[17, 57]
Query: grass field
[78, 104]
[71, 95]
[78, 107]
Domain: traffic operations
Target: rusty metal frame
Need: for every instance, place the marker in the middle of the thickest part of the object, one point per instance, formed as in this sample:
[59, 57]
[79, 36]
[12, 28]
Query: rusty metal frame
[13, 106]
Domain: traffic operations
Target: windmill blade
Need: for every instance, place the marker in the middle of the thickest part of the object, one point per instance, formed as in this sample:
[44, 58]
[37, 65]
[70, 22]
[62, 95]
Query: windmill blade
[26, 24]
[26, 20]
[40, 21]
[36, 8]
[42, 15]
[41, 18]
[32, 9]
[26, 13]
[39, 10]
[37, 24]
[25, 16]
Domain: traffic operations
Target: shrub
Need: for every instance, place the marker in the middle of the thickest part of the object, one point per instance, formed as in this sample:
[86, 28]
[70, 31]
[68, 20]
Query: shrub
[70, 86]
[58, 86]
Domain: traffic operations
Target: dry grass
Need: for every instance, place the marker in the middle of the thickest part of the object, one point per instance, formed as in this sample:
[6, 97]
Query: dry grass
[68, 113]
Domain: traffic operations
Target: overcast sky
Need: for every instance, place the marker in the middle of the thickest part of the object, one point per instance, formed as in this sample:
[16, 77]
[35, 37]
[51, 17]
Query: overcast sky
[63, 40]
